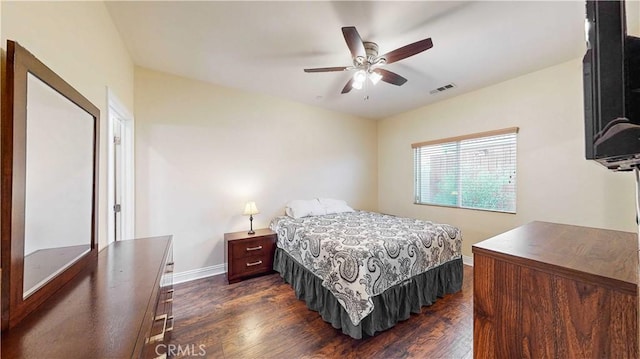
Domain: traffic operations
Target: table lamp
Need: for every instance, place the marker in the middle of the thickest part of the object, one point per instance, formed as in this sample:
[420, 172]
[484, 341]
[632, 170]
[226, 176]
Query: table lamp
[251, 209]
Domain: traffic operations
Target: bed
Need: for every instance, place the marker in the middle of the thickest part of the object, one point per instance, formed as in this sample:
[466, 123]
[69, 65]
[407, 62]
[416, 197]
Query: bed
[365, 271]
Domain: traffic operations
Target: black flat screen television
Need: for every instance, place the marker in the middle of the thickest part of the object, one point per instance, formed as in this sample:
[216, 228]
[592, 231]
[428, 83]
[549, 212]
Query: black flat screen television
[611, 87]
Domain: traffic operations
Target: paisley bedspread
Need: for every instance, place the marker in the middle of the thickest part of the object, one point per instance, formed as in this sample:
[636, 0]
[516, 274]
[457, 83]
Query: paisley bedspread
[359, 255]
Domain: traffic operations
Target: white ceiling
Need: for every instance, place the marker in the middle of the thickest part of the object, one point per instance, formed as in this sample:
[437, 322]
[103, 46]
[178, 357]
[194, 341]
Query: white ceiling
[263, 46]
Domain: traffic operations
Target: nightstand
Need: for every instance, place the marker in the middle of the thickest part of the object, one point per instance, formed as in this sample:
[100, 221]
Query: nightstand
[249, 255]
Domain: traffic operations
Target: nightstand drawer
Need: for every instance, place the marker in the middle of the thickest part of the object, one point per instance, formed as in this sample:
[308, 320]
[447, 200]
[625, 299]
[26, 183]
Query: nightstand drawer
[251, 247]
[251, 265]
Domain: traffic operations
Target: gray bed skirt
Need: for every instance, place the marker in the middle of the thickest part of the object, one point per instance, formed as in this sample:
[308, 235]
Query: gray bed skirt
[393, 305]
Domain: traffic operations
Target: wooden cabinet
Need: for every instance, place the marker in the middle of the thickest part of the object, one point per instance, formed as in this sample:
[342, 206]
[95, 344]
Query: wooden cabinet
[548, 290]
[248, 255]
[158, 334]
[115, 309]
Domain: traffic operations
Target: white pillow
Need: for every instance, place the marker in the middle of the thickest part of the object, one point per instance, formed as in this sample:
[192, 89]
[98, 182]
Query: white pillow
[303, 208]
[335, 205]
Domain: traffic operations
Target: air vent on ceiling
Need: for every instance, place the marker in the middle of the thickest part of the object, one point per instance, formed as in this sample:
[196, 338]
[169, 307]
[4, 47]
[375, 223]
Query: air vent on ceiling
[442, 88]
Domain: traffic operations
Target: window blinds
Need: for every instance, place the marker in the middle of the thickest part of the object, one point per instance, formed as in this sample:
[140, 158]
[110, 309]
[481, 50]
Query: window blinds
[475, 171]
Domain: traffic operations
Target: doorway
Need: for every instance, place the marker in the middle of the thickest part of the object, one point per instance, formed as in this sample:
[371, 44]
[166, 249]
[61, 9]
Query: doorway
[120, 176]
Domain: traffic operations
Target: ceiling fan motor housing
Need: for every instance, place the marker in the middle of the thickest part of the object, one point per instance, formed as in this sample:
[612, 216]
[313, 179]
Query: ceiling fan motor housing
[371, 51]
[371, 48]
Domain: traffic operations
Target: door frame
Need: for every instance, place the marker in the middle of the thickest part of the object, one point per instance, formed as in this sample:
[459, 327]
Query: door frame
[127, 214]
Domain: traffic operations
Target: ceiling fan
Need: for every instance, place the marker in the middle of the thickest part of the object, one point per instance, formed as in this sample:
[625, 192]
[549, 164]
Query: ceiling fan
[367, 62]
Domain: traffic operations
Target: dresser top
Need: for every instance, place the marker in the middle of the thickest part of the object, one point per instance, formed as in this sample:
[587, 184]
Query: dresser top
[97, 314]
[595, 255]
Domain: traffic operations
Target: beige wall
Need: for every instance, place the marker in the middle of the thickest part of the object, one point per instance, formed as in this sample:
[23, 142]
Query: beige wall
[632, 9]
[555, 182]
[202, 151]
[79, 42]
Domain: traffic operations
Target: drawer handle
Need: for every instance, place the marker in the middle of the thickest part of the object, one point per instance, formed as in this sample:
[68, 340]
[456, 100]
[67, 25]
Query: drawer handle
[254, 264]
[170, 328]
[159, 336]
[254, 248]
[167, 293]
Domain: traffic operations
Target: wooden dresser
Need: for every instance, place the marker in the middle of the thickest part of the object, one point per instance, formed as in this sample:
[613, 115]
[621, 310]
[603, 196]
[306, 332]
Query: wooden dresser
[548, 290]
[121, 308]
[249, 255]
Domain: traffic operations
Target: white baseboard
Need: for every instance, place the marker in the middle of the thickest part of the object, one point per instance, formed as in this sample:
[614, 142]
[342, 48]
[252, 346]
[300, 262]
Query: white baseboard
[467, 260]
[198, 273]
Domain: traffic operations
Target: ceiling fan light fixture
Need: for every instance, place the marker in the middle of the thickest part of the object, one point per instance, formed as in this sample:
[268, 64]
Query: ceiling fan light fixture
[358, 79]
[374, 77]
[360, 76]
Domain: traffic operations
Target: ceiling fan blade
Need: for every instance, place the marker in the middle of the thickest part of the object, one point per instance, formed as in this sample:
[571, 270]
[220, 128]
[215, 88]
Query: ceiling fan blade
[408, 50]
[390, 77]
[354, 42]
[348, 86]
[326, 69]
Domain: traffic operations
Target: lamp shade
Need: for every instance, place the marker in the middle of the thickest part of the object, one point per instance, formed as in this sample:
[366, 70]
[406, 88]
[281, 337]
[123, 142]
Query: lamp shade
[358, 79]
[375, 77]
[251, 209]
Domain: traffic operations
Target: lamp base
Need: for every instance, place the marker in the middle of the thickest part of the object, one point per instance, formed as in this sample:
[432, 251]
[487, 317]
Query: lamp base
[251, 231]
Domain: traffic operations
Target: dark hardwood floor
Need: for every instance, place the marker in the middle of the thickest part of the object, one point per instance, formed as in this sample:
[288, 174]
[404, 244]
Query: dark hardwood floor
[261, 318]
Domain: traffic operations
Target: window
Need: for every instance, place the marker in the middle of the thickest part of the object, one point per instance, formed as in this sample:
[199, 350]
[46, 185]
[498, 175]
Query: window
[475, 171]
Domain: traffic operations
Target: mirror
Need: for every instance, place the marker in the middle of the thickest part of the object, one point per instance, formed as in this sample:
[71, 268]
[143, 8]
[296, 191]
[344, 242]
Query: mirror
[58, 178]
[49, 161]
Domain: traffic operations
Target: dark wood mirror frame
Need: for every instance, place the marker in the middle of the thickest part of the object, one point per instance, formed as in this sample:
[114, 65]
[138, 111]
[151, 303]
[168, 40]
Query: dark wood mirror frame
[19, 63]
